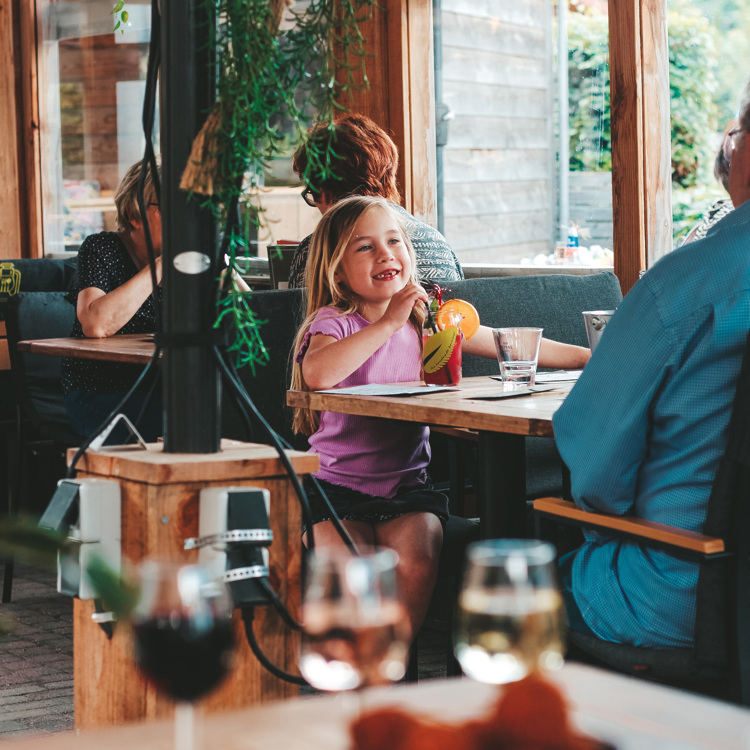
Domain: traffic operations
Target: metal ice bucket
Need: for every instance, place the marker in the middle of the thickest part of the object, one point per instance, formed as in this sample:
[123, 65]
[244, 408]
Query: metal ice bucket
[596, 321]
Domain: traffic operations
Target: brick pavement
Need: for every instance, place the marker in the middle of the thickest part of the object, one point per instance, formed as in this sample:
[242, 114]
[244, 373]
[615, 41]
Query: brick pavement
[36, 661]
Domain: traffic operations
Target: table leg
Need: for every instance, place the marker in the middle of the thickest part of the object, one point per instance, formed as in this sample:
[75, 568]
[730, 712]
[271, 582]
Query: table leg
[502, 485]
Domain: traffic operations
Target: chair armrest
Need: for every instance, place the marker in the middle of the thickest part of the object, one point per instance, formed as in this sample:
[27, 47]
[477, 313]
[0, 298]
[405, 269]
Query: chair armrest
[707, 546]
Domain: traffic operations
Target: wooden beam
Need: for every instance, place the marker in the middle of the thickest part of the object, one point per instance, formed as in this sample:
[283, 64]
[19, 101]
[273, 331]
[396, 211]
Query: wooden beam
[641, 146]
[10, 224]
[657, 130]
[628, 147]
[400, 96]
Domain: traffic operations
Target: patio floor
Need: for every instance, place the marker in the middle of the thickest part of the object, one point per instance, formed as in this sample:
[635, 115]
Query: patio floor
[36, 661]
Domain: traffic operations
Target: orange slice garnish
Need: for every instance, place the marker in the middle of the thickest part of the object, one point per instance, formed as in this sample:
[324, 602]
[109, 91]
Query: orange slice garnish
[458, 312]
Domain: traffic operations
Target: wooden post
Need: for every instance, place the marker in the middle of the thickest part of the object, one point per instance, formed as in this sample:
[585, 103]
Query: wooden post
[400, 96]
[641, 155]
[160, 493]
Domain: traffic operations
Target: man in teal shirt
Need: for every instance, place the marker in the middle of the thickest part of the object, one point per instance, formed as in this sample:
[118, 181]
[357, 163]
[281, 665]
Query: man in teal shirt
[644, 429]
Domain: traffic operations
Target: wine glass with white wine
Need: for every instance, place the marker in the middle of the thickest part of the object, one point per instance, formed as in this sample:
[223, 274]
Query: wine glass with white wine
[355, 625]
[510, 611]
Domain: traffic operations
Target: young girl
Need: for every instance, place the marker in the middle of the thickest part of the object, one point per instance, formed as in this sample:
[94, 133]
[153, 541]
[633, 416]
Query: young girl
[364, 321]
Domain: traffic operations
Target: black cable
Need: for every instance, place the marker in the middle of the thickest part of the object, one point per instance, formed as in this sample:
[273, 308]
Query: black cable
[336, 521]
[156, 380]
[248, 615]
[279, 606]
[149, 106]
[338, 525]
[240, 391]
[70, 473]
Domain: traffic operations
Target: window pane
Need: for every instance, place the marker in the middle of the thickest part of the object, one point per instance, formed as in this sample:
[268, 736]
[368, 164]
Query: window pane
[504, 197]
[707, 38]
[91, 97]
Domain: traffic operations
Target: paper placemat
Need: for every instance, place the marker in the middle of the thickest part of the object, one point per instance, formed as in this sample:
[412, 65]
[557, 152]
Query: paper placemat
[375, 389]
[559, 376]
[515, 392]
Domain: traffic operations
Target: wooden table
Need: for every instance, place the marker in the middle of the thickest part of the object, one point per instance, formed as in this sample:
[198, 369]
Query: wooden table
[134, 348]
[629, 713]
[502, 426]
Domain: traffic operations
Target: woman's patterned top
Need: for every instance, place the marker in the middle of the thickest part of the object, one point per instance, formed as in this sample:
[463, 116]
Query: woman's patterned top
[104, 263]
[436, 260]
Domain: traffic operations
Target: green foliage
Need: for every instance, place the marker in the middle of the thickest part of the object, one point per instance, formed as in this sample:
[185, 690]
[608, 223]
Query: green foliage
[693, 87]
[268, 84]
[589, 106]
[693, 84]
[117, 593]
[121, 16]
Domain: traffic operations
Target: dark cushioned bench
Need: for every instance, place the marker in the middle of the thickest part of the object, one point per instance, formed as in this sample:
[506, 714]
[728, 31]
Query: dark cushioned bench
[553, 301]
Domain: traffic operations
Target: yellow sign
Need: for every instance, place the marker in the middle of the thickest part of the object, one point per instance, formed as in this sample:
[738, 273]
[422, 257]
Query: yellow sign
[10, 279]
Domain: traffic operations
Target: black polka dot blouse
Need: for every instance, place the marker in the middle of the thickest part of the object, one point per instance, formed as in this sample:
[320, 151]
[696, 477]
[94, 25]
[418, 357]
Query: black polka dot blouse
[104, 263]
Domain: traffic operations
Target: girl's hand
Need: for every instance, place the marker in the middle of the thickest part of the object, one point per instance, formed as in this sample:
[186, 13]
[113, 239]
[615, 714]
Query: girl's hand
[402, 303]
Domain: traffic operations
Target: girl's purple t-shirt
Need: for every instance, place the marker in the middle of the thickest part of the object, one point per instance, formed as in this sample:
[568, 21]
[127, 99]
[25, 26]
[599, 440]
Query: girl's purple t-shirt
[375, 456]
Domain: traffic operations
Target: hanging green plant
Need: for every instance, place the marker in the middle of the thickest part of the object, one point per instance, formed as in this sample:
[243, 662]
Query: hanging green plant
[273, 79]
[121, 16]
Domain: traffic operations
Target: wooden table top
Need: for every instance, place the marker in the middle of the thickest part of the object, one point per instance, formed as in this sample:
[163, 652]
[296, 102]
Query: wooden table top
[134, 348]
[521, 415]
[629, 713]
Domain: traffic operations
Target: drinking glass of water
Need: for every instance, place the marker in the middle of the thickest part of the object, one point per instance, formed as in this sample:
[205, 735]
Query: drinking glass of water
[355, 631]
[518, 353]
[510, 618]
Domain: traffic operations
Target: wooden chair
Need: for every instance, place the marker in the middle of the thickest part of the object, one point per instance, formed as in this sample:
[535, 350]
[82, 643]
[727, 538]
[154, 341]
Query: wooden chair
[42, 430]
[718, 663]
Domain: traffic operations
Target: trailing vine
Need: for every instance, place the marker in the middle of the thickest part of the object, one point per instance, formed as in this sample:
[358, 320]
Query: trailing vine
[269, 82]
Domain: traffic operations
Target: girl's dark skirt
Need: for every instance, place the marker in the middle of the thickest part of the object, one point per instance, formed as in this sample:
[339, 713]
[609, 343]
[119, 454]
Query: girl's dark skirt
[351, 505]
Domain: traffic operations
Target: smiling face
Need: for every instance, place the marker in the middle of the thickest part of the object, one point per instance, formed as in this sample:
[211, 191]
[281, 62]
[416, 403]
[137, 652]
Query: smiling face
[376, 262]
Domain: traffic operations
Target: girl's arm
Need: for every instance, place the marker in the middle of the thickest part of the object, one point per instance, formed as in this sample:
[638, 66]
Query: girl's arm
[328, 361]
[551, 353]
[102, 314]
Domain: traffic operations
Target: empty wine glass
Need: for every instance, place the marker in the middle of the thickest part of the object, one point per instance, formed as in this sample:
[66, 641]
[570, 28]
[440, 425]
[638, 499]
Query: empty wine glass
[355, 627]
[183, 636]
[510, 614]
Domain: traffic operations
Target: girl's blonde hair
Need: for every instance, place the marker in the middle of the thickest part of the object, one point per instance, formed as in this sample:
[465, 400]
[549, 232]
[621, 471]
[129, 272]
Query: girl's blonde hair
[327, 247]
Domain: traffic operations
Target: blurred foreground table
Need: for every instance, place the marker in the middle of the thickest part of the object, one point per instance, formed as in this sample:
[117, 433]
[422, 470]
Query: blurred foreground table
[628, 713]
[160, 499]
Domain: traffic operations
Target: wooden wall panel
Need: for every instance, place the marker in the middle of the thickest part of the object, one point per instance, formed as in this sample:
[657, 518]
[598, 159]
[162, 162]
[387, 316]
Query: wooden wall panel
[626, 96]
[639, 80]
[10, 209]
[497, 80]
[657, 129]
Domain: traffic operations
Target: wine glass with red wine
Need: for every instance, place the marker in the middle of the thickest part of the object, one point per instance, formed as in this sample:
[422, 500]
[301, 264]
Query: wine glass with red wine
[355, 626]
[183, 636]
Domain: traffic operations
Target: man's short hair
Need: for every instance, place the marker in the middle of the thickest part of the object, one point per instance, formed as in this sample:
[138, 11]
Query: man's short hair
[744, 112]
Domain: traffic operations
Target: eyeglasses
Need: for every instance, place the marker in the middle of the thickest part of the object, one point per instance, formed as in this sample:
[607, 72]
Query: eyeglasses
[309, 196]
[154, 204]
[731, 135]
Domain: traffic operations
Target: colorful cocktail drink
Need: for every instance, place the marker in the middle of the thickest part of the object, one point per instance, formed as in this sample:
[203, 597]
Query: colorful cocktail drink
[441, 356]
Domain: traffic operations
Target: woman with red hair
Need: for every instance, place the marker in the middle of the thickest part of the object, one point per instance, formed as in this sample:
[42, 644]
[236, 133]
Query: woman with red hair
[362, 160]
